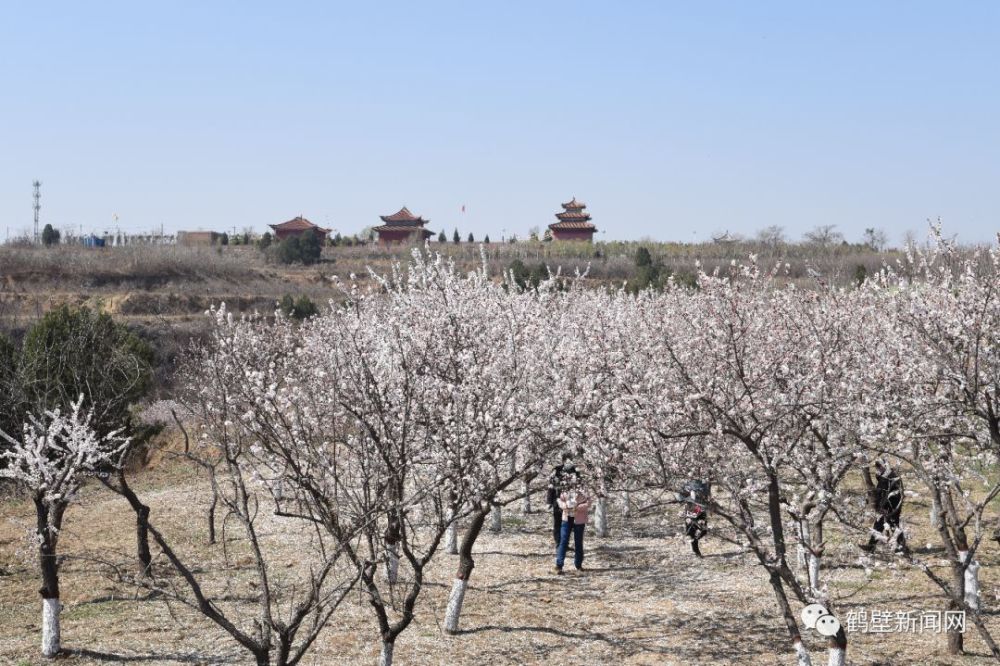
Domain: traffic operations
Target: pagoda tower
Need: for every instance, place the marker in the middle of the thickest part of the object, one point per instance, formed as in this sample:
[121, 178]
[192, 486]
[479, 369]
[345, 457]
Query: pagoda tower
[402, 227]
[574, 223]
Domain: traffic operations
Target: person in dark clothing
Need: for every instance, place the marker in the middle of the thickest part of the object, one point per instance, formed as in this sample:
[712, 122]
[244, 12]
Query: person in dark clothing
[888, 496]
[695, 496]
[555, 489]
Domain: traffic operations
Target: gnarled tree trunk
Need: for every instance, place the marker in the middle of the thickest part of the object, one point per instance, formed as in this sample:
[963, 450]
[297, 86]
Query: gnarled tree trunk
[141, 520]
[465, 566]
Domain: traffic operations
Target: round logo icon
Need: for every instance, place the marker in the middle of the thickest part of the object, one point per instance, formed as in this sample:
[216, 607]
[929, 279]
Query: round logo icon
[828, 625]
[812, 613]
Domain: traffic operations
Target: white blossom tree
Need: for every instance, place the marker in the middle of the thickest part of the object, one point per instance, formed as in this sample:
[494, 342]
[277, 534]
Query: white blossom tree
[939, 366]
[51, 460]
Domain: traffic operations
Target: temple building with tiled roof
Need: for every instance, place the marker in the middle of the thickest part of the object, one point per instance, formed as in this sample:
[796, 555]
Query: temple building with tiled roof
[574, 223]
[402, 227]
[296, 227]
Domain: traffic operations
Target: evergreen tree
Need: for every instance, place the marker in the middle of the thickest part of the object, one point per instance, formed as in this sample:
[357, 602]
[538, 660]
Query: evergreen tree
[442, 238]
[70, 352]
[50, 236]
[643, 258]
[311, 250]
[289, 250]
[456, 238]
[487, 239]
[471, 238]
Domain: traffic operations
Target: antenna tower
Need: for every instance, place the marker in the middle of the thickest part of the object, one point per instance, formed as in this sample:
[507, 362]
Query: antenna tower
[38, 206]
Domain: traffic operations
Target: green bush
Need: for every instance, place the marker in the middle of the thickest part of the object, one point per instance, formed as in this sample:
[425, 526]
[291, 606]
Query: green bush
[301, 308]
[302, 249]
[860, 274]
[525, 277]
[10, 412]
[73, 352]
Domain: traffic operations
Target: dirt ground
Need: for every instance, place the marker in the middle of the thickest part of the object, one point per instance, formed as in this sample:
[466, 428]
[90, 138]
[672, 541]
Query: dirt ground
[642, 599]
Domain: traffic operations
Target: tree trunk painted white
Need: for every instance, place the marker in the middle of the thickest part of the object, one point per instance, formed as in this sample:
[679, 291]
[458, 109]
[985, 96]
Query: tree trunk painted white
[526, 501]
[454, 610]
[50, 627]
[451, 539]
[601, 517]
[837, 656]
[801, 655]
[811, 560]
[626, 505]
[813, 574]
[392, 564]
[496, 519]
[385, 656]
[971, 581]
[935, 512]
[801, 552]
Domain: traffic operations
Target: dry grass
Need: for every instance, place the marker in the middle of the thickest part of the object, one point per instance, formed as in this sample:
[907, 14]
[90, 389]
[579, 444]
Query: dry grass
[138, 265]
[642, 600]
[139, 282]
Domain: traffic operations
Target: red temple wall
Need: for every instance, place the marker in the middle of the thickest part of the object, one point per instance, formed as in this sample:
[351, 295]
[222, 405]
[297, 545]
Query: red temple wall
[572, 234]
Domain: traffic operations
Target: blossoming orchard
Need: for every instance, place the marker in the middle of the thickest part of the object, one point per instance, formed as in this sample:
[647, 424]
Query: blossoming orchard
[352, 453]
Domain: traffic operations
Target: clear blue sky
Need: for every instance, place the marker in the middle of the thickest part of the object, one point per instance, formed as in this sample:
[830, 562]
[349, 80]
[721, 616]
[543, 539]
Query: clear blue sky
[670, 119]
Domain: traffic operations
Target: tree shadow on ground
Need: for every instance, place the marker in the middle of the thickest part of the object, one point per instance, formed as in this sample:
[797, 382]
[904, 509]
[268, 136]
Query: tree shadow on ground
[723, 637]
[580, 636]
[608, 548]
[154, 595]
[513, 554]
[727, 554]
[727, 637]
[189, 658]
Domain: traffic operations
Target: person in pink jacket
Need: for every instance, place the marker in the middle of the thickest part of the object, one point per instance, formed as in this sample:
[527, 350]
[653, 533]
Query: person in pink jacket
[575, 504]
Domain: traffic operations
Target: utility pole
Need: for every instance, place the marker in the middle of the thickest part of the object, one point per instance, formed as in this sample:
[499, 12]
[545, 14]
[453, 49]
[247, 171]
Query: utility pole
[38, 206]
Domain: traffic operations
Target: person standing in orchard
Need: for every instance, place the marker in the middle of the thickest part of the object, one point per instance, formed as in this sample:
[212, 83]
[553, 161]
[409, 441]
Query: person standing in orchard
[695, 513]
[888, 496]
[555, 488]
[575, 504]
